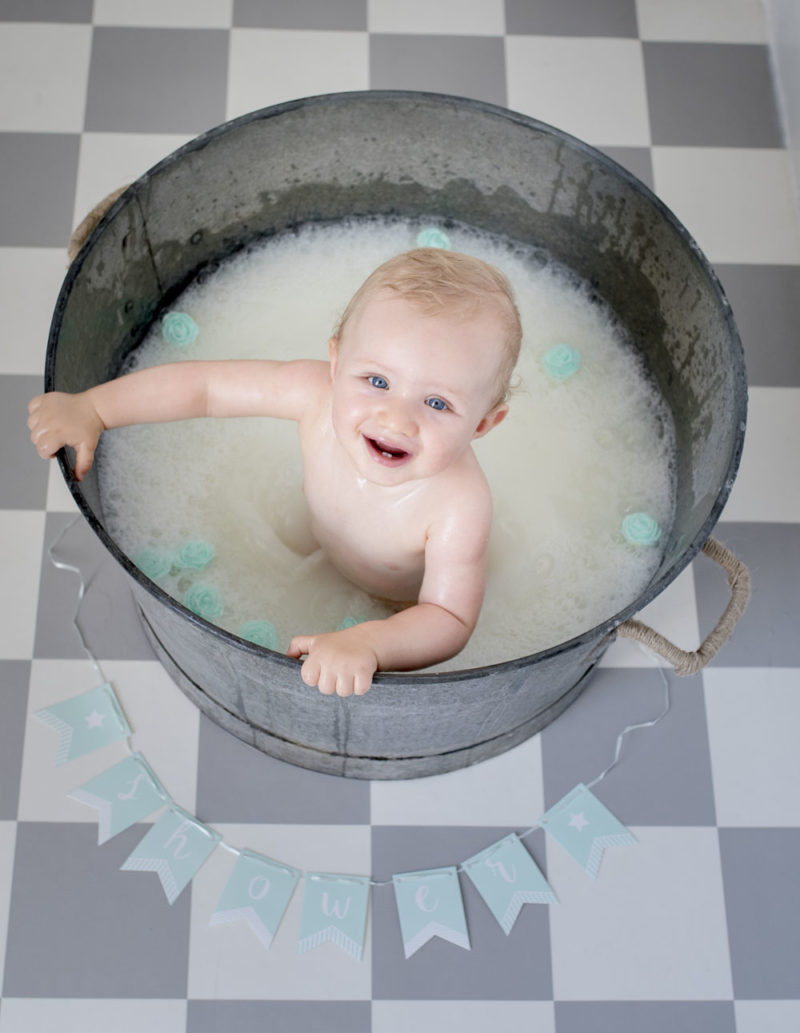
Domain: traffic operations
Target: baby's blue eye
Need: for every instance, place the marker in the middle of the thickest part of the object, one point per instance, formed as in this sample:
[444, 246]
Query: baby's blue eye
[436, 403]
[380, 382]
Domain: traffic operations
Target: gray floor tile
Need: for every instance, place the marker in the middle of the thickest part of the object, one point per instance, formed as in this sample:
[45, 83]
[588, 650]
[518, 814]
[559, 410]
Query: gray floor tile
[24, 481]
[157, 80]
[766, 636]
[46, 10]
[14, 676]
[498, 967]
[766, 306]
[236, 783]
[572, 17]
[108, 615]
[79, 927]
[340, 15]
[286, 1016]
[635, 159]
[652, 1016]
[469, 66]
[664, 774]
[39, 175]
[759, 871]
[711, 95]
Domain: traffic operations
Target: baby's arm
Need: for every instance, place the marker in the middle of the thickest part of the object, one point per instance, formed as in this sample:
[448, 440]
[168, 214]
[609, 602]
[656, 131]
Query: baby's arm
[435, 629]
[177, 391]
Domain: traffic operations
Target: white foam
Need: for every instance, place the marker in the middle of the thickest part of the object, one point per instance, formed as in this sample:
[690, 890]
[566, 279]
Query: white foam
[565, 467]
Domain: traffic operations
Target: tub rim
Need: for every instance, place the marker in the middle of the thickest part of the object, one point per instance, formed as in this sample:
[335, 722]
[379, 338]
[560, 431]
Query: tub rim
[598, 632]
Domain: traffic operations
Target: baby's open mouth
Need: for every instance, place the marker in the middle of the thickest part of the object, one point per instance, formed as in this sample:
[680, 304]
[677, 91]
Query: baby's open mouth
[385, 452]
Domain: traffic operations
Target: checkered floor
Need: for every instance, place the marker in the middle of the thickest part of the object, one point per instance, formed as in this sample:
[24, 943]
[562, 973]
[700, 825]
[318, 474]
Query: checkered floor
[697, 927]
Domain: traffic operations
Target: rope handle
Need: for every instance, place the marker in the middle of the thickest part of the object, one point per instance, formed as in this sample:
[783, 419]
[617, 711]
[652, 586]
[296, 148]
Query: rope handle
[688, 663]
[81, 232]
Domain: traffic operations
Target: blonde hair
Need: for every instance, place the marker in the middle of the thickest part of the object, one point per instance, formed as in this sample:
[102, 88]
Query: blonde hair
[436, 281]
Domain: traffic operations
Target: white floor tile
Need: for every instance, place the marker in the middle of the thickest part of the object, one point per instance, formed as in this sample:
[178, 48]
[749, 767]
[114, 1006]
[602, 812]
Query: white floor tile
[23, 1015]
[737, 203]
[767, 487]
[753, 717]
[711, 21]
[59, 499]
[673, 614]
[593, 89]
[228, 961]
[767, 1016]
[651, 927]
[464, 1016]
[108, 161]
[506, 790]
[196, 14]
[270, 66]
[44, 71]
[446, 16]
[21, 538]
[8, 836]
[30, 279]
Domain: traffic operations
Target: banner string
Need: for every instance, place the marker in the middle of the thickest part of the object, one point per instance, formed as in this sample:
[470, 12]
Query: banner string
[83, 586]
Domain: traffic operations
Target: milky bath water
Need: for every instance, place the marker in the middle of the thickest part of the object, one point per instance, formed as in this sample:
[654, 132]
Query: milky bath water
[571, 461]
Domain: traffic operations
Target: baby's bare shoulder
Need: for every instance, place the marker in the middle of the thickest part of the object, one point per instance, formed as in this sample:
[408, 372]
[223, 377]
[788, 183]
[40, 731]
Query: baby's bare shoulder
[462, 498]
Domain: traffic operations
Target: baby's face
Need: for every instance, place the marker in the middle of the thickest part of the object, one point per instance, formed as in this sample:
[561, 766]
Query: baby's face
[410, 392]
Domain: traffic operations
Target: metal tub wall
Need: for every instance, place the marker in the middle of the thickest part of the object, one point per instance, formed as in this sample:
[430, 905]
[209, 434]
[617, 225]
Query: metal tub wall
[411, 155]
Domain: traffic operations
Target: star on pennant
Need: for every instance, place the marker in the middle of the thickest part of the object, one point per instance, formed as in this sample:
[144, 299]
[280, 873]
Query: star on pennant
[94, 720]
[578, 821]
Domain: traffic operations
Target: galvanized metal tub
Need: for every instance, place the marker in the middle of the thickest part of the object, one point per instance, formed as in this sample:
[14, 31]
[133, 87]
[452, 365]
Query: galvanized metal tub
[416, 155]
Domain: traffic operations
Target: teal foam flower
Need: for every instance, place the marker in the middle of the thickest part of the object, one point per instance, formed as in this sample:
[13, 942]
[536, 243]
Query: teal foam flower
[154, 563]
[195, 555]
[350, 622]
[204, 600]
[433, 237]
[179, 328]
[561, 362]
[262, 633]
[641, 529]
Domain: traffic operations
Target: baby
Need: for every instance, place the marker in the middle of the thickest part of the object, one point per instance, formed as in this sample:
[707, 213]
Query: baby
[419, 366]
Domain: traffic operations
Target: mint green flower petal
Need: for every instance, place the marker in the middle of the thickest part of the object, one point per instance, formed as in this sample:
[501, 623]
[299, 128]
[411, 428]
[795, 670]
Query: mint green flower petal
[350, 622]
[433, 237]
[641, 529]
[262, 633]
[195, 555]
[204, 600]
[154, 563]
[561, 362]
[179, 328]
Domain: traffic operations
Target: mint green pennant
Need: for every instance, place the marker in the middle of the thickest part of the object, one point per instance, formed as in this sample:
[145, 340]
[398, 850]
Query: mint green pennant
[86, 723]
[122, 795]
[429, 904]
[507, 877]
[175, 848]
[585, 827]
[258, 893]
[334, 908]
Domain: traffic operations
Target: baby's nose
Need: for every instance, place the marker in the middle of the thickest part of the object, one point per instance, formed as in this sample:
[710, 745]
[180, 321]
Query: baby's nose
[397, 416]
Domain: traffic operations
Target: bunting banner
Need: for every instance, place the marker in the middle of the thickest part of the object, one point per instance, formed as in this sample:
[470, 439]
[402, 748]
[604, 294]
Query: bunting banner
[334, 908]
[175, 848]
[429, 904]
[122, 795]
[507, 877]
[258, 893]
[585, 827]
[85, 723]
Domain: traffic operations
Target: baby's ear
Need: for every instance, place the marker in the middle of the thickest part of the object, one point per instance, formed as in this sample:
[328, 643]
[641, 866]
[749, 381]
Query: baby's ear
[491, 419]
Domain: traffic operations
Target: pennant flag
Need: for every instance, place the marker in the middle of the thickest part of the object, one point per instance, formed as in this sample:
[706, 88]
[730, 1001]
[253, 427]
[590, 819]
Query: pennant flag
[585, 827]
[122, 795]
[507, 877]
[86, 722]
[429, 904]
[258, 892]
[175, 847]
[334, 908]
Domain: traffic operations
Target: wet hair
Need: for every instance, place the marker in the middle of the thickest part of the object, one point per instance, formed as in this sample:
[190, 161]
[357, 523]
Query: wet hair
[434, 281]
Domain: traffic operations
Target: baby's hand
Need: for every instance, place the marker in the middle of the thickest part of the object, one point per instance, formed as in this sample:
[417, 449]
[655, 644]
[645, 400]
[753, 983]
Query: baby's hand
[339, 661]
[58, 419]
